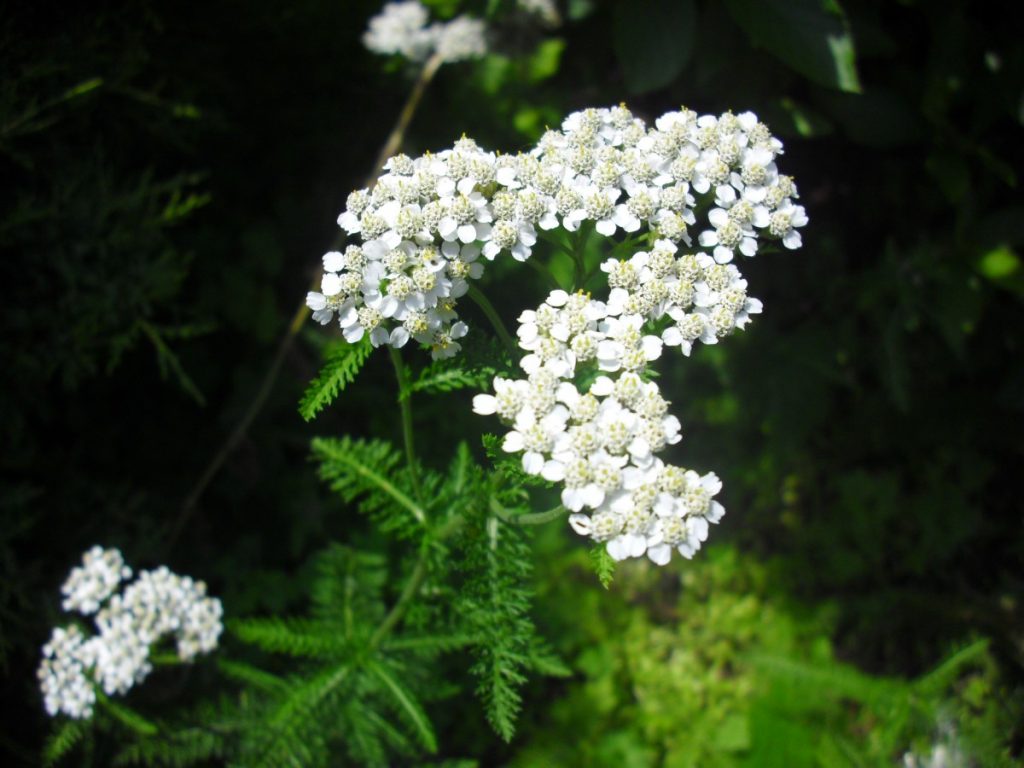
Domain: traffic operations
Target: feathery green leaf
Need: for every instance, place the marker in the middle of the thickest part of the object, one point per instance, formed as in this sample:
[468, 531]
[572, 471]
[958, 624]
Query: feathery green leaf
[340, 368]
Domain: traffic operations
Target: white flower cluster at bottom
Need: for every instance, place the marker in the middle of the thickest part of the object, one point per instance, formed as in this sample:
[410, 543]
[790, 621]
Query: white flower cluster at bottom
[157, 604]
[601, 443]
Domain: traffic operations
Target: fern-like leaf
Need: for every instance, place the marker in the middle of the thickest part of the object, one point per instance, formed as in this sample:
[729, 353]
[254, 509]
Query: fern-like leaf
[340, 368]
[495, 604]
[406, 704]
[249, 675]
[447, 376]
[367, 471]
[292, 726]
[348, 589]
[430, 643]
[603, 564]
[303, 638]
[65, 738]
[186, 747]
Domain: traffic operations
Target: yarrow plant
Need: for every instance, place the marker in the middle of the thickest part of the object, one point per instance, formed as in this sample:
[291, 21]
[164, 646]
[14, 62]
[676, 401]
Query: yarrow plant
[687, 196]
[128, 625]
[650, 222]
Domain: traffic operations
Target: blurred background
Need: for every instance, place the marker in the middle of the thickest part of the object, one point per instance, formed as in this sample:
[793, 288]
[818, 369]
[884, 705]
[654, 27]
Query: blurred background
[174, 172]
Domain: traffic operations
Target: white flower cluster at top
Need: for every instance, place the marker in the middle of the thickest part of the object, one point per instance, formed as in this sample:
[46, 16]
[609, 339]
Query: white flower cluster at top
[427, 221]
[402, 28]
[157, 604]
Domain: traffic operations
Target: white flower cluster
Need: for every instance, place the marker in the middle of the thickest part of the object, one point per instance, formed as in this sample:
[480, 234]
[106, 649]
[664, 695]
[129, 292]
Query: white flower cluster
[88, 585]
[601, 443]
[705, 300]
[402, 28]
[157, 604]
[427, 221]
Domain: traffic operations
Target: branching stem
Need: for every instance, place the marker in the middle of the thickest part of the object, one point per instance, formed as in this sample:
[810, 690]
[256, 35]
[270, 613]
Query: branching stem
[405, 406]
[533, 518]
[492, 314]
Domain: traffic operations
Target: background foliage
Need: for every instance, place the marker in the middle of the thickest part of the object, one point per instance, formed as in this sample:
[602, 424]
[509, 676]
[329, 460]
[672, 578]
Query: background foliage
[174, 173]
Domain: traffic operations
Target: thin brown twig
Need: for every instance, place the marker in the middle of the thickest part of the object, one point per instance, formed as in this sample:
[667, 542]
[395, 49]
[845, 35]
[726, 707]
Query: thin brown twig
[390, 147]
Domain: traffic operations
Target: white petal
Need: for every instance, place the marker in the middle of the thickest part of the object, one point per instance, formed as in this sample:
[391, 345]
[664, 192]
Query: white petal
[533, 463]
[467, 233]
[672, 336]
[652, 347]
[660, 554]
[485, 405]
[557, 298]
[698, 528]
[379, 335]
[513, 443]
[618, 548]
[602, 386]
[334, 261]
[580, 524]
[716, 512]
[399, 337]
[553, 471]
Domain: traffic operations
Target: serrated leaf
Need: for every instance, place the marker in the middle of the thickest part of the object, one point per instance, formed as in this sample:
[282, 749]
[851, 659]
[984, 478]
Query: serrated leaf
[355, 467]
[340, 368]
[603, 564]
[407, 704]
[303, 638]
[810, 36]
[63, 739]
[433, 381]
[430, 642]
[257, 678]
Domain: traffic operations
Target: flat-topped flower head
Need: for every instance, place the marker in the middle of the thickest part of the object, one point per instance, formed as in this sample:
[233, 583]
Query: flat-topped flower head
[128, 624]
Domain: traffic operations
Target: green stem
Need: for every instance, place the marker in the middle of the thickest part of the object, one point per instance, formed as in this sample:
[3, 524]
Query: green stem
[412, 585]
[533, 518]
[133, 720]
[405, 406]
[492, 314]
[579, 241]
[544, 271]
[419, 573]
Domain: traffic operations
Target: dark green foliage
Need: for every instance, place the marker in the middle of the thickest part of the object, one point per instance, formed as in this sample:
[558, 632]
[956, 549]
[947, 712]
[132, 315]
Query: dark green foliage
[341, 365]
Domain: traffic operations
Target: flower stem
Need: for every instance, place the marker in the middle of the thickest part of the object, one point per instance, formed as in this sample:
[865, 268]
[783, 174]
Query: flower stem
[492, 314]
[533, 518]
[405, 406]
[414, 582]
[299, 317]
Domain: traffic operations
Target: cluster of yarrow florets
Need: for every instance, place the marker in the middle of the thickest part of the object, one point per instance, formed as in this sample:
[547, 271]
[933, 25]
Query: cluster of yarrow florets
[404, 29]
[428, 223]
[157, 604]
[600, 441]
[688, 195]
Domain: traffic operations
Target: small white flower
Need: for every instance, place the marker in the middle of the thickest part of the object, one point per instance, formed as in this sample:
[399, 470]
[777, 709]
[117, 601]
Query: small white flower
[401, 28]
